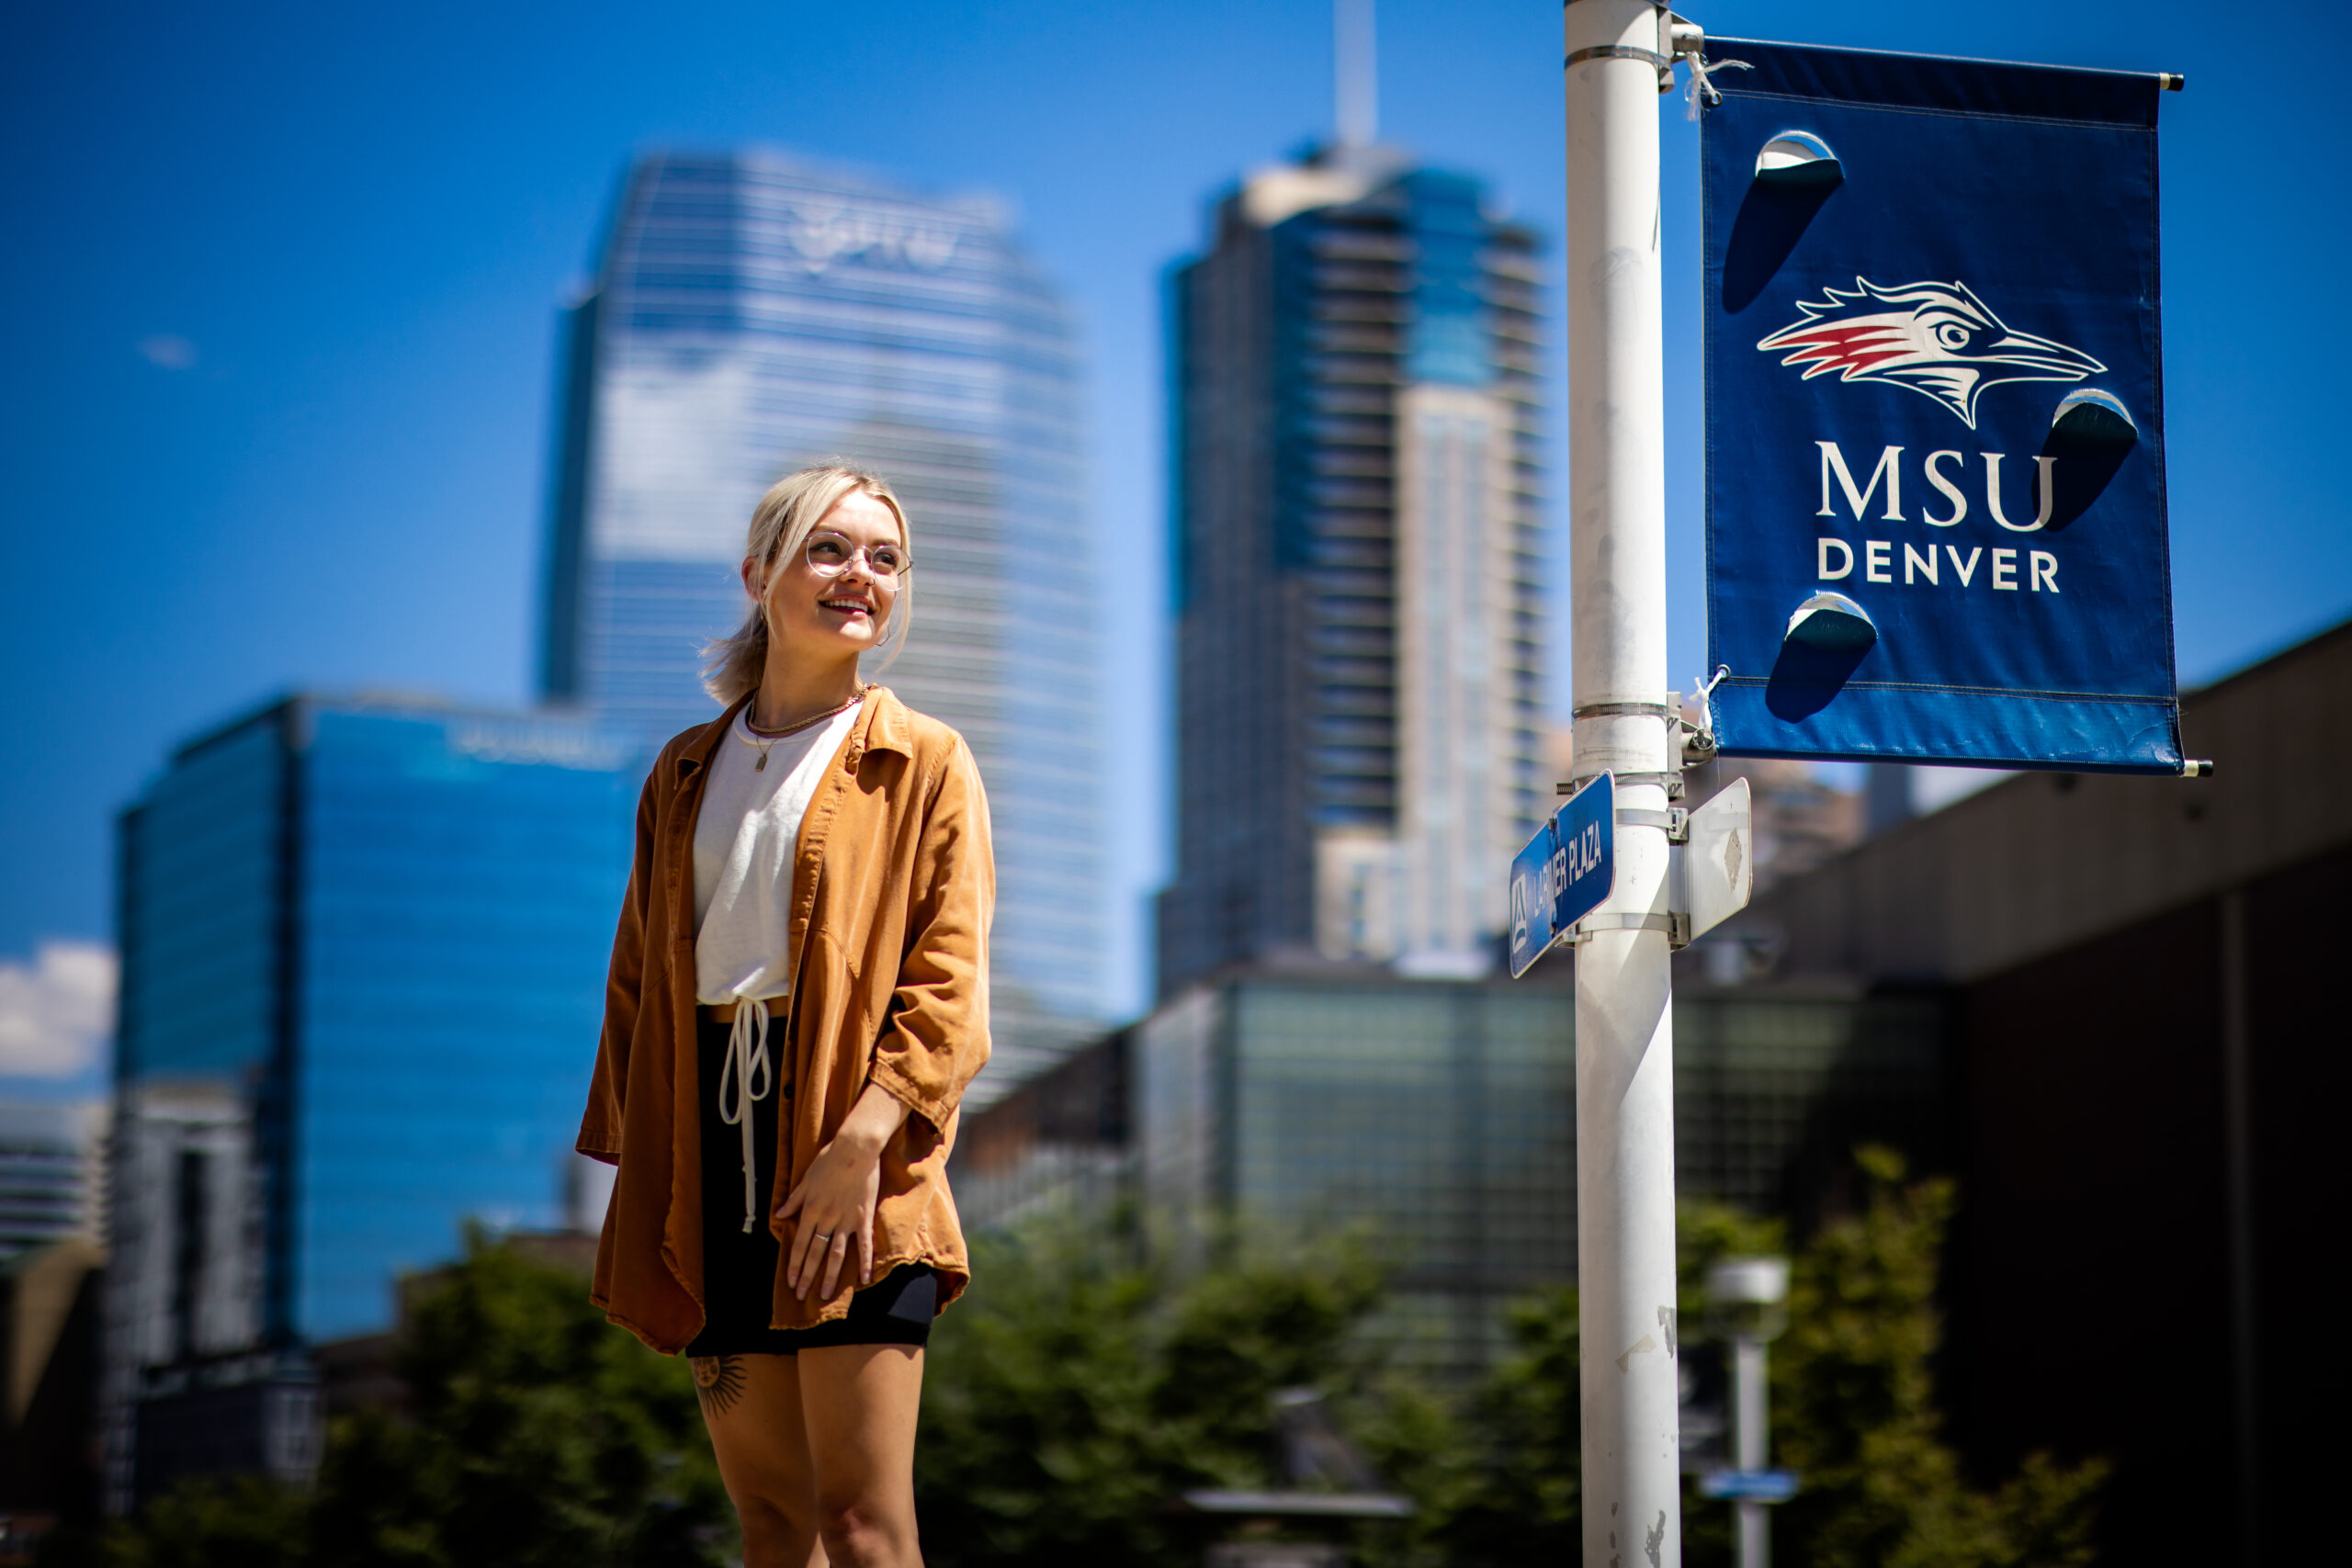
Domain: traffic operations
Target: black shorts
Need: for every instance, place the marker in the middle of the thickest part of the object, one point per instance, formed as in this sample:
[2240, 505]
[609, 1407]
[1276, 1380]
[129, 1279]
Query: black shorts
[740, 1269]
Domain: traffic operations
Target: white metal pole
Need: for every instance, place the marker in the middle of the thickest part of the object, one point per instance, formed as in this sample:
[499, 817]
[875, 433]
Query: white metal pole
[1617, 558]
[1749, 1452]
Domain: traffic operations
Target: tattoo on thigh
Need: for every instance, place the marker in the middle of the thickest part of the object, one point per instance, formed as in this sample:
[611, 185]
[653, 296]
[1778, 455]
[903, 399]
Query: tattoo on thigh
[718, 1381]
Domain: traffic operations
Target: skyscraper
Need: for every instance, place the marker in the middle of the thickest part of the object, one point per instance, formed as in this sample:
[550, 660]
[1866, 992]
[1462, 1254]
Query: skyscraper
[754, 313]
[1358, 536]
[364, 952]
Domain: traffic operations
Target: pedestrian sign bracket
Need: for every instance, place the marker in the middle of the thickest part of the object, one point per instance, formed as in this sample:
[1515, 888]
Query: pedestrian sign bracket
[1676, 926]
[1674, 819]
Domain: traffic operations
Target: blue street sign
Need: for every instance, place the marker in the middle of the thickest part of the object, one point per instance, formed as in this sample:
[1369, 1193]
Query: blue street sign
[1936, 524]
[1564, 873]
[1749, 1485]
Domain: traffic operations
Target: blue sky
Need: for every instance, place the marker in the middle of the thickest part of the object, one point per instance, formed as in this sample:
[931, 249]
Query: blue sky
[278, 307]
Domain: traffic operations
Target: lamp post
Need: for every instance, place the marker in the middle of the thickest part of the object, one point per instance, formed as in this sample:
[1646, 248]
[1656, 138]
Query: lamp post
[1624, 988]
[1744, 1297]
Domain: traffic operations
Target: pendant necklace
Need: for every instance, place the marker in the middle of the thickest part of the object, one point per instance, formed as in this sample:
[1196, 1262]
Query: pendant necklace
[765, 740]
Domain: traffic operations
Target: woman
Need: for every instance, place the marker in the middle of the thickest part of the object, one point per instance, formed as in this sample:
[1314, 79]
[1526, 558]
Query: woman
[799, 996]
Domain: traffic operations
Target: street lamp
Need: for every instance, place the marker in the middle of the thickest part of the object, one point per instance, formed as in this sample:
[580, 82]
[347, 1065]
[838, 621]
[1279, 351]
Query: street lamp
[1744, 1296]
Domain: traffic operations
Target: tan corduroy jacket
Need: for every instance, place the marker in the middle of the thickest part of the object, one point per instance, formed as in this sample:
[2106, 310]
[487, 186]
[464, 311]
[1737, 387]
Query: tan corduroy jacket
[892, 890]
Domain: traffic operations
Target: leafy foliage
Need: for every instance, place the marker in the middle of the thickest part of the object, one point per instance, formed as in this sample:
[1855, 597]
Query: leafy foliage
[1072, 1401]
[1037, 1441]
[537, 1437]
[1853, 1408]
[1068, 1407]
[248, 1521]
[1524, 1499]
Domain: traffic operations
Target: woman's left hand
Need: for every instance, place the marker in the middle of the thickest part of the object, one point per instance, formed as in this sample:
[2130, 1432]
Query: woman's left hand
[835, 1200]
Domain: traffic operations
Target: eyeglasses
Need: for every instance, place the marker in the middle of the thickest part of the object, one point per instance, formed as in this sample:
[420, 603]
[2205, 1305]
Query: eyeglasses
[830, 555]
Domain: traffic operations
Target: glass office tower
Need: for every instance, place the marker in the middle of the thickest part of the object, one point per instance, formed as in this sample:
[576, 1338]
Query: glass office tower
[364, 952]
[1358, 522]
[754, 313]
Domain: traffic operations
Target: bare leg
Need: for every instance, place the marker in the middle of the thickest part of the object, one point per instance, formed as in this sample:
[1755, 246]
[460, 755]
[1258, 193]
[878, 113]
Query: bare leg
[752, 1405]
[861, 1402]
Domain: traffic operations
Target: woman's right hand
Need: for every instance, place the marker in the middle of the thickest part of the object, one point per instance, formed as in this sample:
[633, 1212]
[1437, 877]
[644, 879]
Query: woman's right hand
[836, 1201]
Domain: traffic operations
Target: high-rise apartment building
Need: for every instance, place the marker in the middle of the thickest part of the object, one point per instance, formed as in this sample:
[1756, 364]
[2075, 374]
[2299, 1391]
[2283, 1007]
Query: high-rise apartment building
[1358, 522]
[364, 951]
[753, 315]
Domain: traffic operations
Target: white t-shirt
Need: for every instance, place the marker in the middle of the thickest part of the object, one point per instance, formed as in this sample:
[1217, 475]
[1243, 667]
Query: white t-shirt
[745, 836]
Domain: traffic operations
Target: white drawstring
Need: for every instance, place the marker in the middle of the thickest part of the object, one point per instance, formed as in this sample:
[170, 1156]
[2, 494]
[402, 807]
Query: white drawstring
[747, 1068]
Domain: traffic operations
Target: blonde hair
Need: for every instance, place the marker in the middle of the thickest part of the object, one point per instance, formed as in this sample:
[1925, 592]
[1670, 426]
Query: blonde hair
[781, 525]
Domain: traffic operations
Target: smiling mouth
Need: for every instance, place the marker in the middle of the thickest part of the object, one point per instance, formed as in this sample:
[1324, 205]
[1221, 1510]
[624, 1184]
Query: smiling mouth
[846, 606]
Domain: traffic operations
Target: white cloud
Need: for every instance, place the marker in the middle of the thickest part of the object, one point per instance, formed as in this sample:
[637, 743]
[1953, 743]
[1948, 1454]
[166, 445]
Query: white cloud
[168, 351]
[56, 1012]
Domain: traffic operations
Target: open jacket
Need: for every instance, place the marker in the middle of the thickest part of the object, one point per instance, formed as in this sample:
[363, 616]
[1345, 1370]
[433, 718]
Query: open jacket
[893, 885]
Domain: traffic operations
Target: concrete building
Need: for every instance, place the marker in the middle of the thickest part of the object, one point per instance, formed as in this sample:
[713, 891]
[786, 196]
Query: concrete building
[52, 1173]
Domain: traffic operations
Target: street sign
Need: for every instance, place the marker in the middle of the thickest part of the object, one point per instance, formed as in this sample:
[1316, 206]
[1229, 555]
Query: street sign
[1717, 867]
[1935, 525]
[1749, 1485]
[1564, 873]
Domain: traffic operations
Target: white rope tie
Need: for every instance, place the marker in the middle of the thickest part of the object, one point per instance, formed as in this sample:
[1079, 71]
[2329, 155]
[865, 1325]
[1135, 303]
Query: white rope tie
[748, 1071]
[1701, 71]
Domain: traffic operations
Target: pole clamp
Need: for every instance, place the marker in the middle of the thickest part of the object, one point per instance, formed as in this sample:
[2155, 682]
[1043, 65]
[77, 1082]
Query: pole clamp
[1671, 783]
[1676, 926]
[1625, 51]
[1674, 819]
[1623, 710]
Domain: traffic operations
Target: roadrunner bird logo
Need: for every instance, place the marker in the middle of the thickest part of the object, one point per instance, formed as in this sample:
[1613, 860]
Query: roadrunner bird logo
[1937, 339]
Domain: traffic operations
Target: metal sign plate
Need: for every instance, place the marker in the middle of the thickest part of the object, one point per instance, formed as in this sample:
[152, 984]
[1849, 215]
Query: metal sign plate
[1749, 1485]
[1564, 873]
[1717, 867]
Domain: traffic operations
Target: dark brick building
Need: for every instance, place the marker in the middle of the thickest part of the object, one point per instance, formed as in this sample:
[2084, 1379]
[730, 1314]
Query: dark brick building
[2151, 1056]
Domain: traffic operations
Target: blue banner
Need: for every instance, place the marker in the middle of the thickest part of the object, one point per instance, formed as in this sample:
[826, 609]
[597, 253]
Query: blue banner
[1935, 416]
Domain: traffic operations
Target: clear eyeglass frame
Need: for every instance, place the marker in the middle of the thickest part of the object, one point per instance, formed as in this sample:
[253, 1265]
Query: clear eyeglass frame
[838, 554]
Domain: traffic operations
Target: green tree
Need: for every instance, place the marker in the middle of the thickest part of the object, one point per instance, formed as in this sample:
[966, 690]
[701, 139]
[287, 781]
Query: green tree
[1070, 1402]
[1853, 1408]
[538, 1436]
[1038, 1443]
[1069, 1405]
[1523, 1499]
[1241, 1333]
[534, 1436]
[246, 1521]
[1705, 1233]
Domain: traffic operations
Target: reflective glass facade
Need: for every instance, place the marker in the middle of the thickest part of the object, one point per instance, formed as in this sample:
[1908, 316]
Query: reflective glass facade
[454, 913]
[364, 953]
[1436, 1123]
[754, 313]
[1433, 1122]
